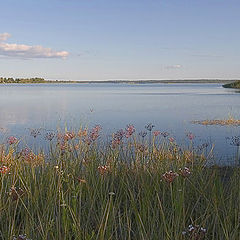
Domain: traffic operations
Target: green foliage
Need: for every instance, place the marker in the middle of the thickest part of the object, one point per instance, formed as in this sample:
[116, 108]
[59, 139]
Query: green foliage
[235, 84]
[22, 80]
[31, 80]
[99, 192]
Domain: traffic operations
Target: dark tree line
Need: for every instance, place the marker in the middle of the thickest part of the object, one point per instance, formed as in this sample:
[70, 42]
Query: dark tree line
[22, 80]
[235, 84]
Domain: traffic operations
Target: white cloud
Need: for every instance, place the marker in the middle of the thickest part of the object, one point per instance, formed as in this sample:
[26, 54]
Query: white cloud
[4, 36]
[27, 51]
[176, 66]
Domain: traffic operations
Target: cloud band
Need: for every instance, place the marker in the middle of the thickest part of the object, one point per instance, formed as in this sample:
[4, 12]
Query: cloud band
[27, 51]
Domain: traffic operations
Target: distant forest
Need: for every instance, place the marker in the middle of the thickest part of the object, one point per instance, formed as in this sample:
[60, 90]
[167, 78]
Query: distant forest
[31, 80]
[232, 85]
[22, 80]
[42, 80]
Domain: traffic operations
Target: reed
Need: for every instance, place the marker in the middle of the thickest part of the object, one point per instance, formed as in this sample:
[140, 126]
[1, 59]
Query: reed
[131, 188]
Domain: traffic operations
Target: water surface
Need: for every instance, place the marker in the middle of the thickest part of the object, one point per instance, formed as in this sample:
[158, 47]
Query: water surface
[170, 107]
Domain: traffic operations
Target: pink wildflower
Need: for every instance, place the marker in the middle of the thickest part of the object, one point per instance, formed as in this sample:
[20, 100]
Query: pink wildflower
[94, 133]
[103, 169]
[185, 172]
[156, 133]
[190, 136]
[170, 176]
[69, 135]
[130, 129]
[12, 140]
[4, 170]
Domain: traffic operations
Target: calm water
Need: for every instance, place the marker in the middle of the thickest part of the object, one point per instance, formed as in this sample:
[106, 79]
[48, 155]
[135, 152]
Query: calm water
[170, 107]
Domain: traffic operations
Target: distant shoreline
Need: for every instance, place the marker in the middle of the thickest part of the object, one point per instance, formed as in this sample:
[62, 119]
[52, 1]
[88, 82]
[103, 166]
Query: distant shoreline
[41, 80]
[235, 85]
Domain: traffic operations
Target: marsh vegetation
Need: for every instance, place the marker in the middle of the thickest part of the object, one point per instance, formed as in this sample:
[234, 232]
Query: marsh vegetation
[137, 186]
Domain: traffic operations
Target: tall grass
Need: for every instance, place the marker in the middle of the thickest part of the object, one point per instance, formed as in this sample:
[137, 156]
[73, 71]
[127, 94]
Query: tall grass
[88, 190]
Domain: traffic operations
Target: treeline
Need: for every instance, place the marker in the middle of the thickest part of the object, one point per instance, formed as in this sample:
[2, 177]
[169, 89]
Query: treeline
[32, 80]
[22, 80]
[232, 85]
[42, 80]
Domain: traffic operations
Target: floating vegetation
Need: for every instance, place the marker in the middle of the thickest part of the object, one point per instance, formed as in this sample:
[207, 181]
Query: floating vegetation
[224, 122]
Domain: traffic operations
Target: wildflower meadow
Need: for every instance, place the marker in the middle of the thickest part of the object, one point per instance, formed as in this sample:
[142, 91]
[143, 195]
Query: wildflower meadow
[137, 185]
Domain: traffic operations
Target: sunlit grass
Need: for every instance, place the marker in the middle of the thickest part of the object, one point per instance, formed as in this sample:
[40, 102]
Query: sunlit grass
[135, 187]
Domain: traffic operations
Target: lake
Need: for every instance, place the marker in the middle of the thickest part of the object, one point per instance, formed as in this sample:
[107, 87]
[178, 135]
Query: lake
[170, 107]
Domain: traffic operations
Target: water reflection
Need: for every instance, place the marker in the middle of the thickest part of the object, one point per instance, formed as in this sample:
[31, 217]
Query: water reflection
[170, 107]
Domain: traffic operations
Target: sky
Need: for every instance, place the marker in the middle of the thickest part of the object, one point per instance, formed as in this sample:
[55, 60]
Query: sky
[126, 39]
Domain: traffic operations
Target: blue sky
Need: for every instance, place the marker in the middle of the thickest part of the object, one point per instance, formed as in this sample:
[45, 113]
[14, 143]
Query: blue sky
[127, 39]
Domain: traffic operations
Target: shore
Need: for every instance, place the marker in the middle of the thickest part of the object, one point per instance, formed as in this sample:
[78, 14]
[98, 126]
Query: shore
[235, 85]
[41, 80]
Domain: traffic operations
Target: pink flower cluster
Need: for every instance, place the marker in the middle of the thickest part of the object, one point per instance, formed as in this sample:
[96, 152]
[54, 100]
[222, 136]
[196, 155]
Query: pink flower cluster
[12, 140]
[92, 136]
[21, 237]
[4, 170]
[120, 134]
[156, 133]
[117, 138]
[82, 133]
[195, 232]
[170, 176]
[69, 136]
[95, 132]
[190, 136]
[185, 172]
[103, 169]
[130, 129]
[27, 154]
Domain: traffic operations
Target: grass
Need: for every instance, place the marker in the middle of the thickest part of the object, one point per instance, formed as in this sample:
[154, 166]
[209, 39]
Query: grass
[134, 188]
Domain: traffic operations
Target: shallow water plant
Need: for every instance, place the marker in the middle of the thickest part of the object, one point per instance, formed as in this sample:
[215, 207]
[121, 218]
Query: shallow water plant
[221, 122]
